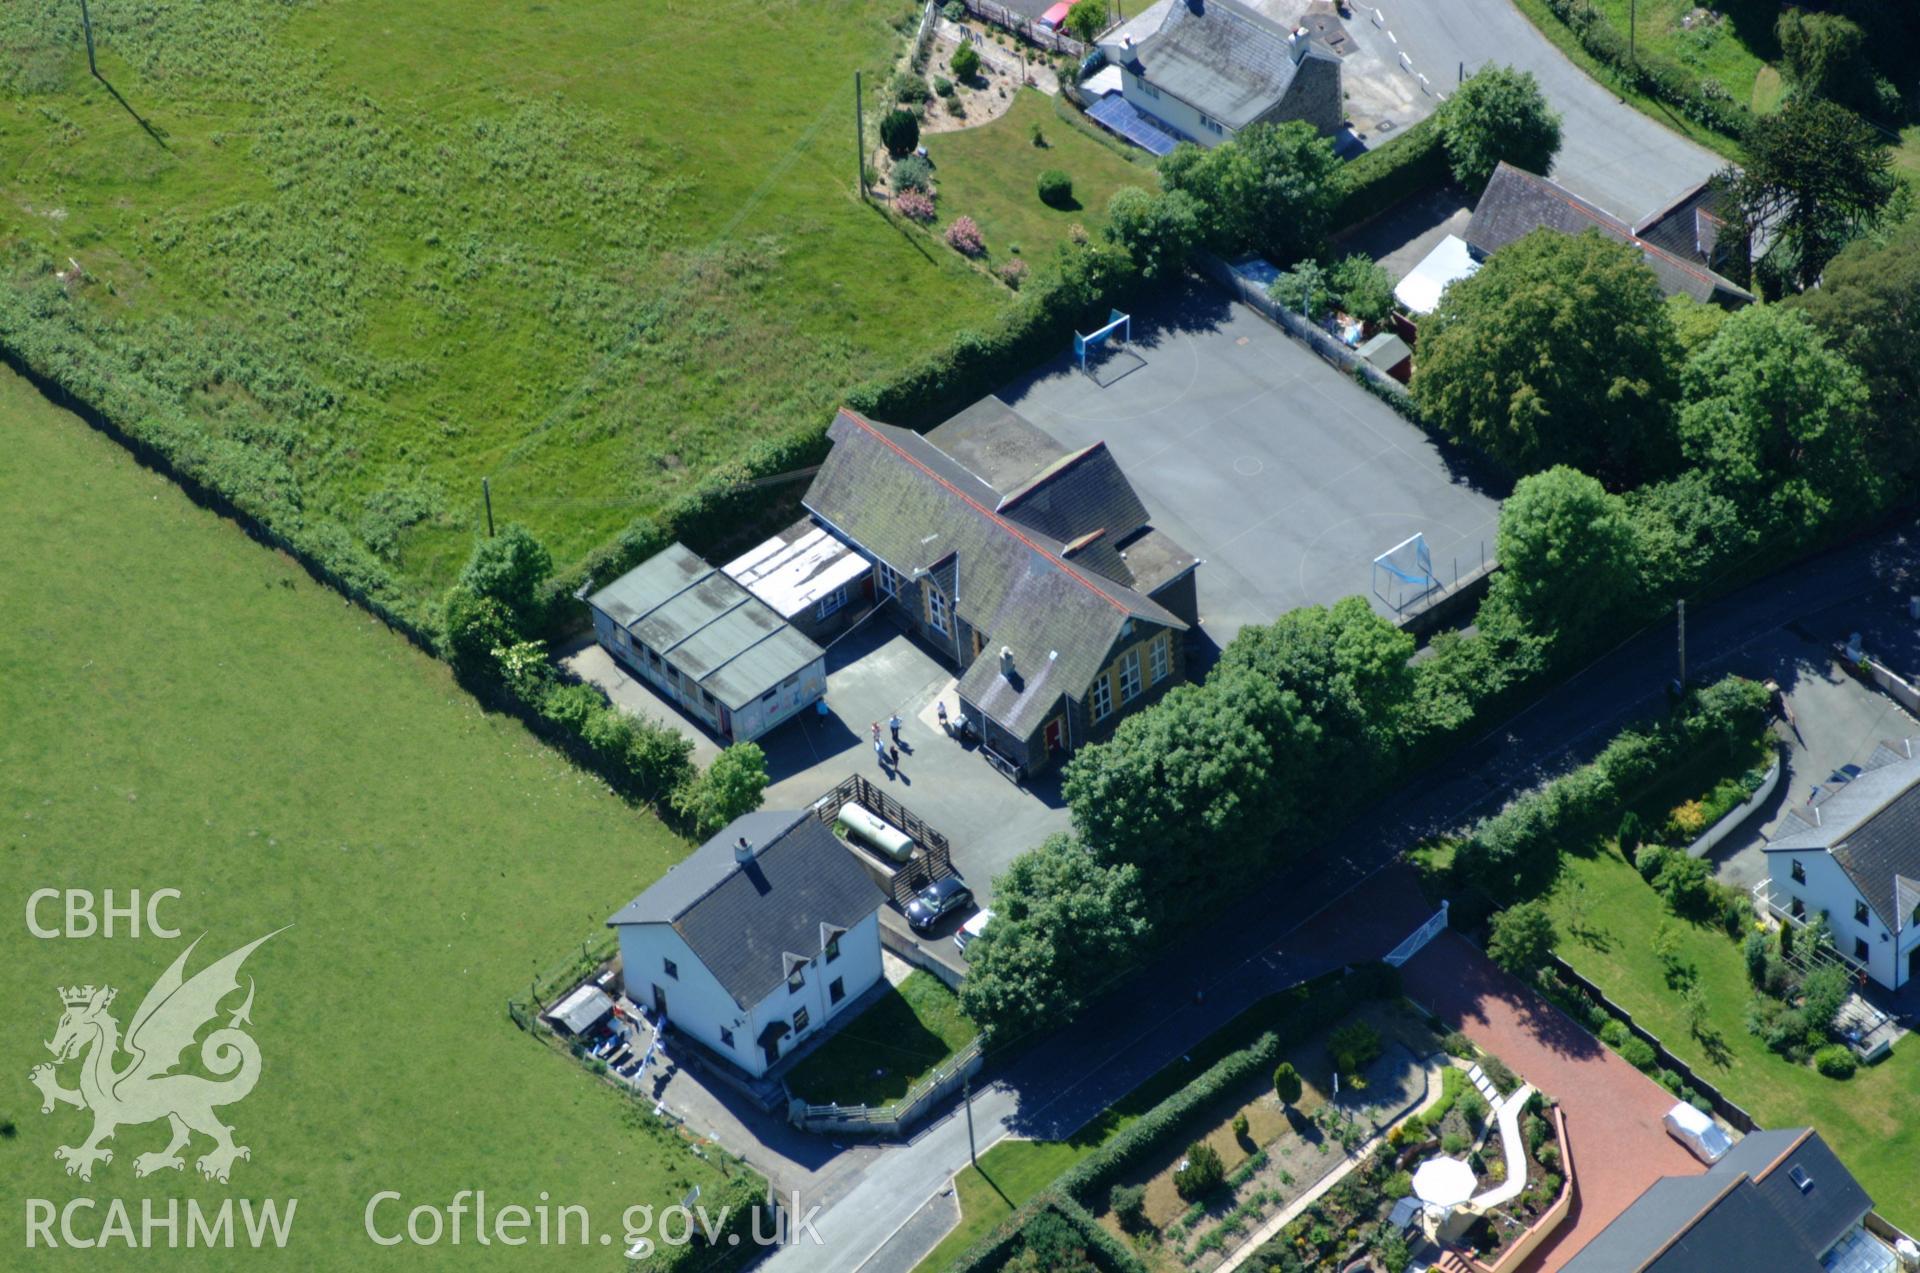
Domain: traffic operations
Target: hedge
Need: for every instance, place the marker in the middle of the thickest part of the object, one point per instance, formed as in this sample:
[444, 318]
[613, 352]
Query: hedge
[1414, 161]
[739, 1200]
[992, 1252]
[1513, 851]
[1701, 98]
[1291, 1015]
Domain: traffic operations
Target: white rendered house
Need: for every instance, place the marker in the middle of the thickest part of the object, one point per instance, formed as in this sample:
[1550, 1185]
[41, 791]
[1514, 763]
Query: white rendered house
[762, 934]
[1853, 854]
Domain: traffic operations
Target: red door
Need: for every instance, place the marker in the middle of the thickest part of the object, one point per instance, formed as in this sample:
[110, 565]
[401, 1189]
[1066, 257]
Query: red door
[1052, 736]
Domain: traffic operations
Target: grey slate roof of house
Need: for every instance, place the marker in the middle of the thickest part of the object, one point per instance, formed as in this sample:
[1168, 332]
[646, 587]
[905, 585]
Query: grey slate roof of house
[898, 496]
[1690, 225]
[744, 920]
[1221, 58]
[719, 635]
[1517, 202]
[1871, 828]
[1747, 1212]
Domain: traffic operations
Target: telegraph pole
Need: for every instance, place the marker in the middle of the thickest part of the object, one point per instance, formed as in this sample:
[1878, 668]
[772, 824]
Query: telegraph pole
[859, 138]
[967, 1099]
[486, 491]
[86, 21]
[1680, 610]
[1633, 13]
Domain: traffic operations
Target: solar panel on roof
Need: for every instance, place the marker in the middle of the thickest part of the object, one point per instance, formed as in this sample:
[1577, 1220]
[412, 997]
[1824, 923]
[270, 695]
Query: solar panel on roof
[1118, 114]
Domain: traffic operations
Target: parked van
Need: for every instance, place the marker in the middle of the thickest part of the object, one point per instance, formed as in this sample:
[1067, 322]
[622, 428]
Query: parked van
[970, 930]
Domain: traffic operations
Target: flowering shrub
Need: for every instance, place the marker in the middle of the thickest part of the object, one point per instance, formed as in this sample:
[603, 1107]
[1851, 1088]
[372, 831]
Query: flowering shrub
[1013, 273]
[963, 236]
[915, 205]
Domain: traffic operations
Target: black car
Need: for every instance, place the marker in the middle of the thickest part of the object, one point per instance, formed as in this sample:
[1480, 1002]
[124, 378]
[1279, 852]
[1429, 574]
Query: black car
[936, 900]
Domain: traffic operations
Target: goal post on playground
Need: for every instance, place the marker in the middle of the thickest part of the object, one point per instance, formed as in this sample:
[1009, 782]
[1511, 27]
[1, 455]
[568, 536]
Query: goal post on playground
[1407, 570]
[1085, 343]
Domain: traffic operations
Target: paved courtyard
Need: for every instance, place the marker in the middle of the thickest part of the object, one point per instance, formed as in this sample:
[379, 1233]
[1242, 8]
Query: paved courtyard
[872, 672]
[1614, 1134]
[1276, 469]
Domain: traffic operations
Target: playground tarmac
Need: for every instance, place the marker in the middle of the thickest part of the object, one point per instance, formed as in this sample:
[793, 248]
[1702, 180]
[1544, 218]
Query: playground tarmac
[1274, 467]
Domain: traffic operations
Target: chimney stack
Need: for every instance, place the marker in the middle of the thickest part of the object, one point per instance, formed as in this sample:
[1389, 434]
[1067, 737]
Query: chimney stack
[743, 851]
[1006, 662]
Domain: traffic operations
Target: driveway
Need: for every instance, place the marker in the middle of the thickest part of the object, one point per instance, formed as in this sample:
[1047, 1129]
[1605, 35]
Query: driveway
[1836, 721]
[1610, 153]
[1614, 1134]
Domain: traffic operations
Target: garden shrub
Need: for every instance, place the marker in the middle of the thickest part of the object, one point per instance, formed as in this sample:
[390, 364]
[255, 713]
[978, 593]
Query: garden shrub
[963, 236]
[1836, 1061]
[943, 86]
[1013, 273]
[1630, 835]
[914, 206]
[1639, 1054]
[911, 173]
[1653, 860]
[965, 63]
[1503, 1078]
[1353, 1047]
[1241, 1126]
[1286, 1083]
[899, 133]
[1455, 1143]
[1458, 1044]
[1414, 161]
[1201, 1174]
[1613, 1033]
[908, 87]
[1055, 188]
[1473, 1107]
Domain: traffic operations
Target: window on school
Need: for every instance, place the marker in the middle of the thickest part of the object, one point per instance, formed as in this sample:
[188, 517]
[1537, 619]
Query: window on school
[1160, 659]
[1102, 699]
[1130, 676]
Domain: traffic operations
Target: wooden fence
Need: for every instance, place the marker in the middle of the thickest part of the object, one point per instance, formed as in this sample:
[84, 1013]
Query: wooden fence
[935, 861]
[891, 1120]
[1735, 1116]
[1026, 28]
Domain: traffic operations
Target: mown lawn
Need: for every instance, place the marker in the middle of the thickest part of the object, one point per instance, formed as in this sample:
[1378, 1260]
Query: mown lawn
[888, 1048]
[991, 174]
[185, 709]
[1607, 918]
[593, 250]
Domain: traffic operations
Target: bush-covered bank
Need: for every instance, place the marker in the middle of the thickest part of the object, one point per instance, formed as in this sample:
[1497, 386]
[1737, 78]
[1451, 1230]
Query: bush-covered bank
[1050, 1234]
[1699, 98]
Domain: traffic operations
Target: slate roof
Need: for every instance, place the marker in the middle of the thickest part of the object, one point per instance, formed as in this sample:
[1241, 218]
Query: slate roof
[1220, 57]
[743, 921]
[1871, 828]
[1517, 202]
[1747, 1212]
[1689, 225]
[900, 498]
[715, 632]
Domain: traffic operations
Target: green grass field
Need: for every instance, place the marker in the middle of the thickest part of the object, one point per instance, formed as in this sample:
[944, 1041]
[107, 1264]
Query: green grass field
[593, 250]
[185, 709]
[1608, 917]
[990, 173]
[891, 1045]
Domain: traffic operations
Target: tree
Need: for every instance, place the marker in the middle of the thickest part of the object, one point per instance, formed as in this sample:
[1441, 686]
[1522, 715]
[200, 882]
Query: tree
[1272, 188]
[1566, 553]
[899, 133]
[1345, 668]
[1062, 924]
[1201, 1173]
[1773, 416]
[1868, 307]
[1825, 55]
[1188, 792]
[1556, 334]
[1630, 835]
[965, 62]
[1286, 1084]
[1823, 992]
[1816, 175]
[1694, 322]
[1365, 289]
[1087, 19]
[1159, 231]
[1498, 114]
[1304, 290]
[1522, 939]
[733, 785]
[510, 568]
[474, 628]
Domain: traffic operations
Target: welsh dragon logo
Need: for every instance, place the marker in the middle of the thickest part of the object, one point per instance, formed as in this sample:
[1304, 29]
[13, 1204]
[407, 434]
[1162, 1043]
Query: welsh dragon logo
[144, 1087]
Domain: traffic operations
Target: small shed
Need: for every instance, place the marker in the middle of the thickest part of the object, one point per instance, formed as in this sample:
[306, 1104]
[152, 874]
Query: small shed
[1703, 1137]
[581, 1011]
[1387, 352]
